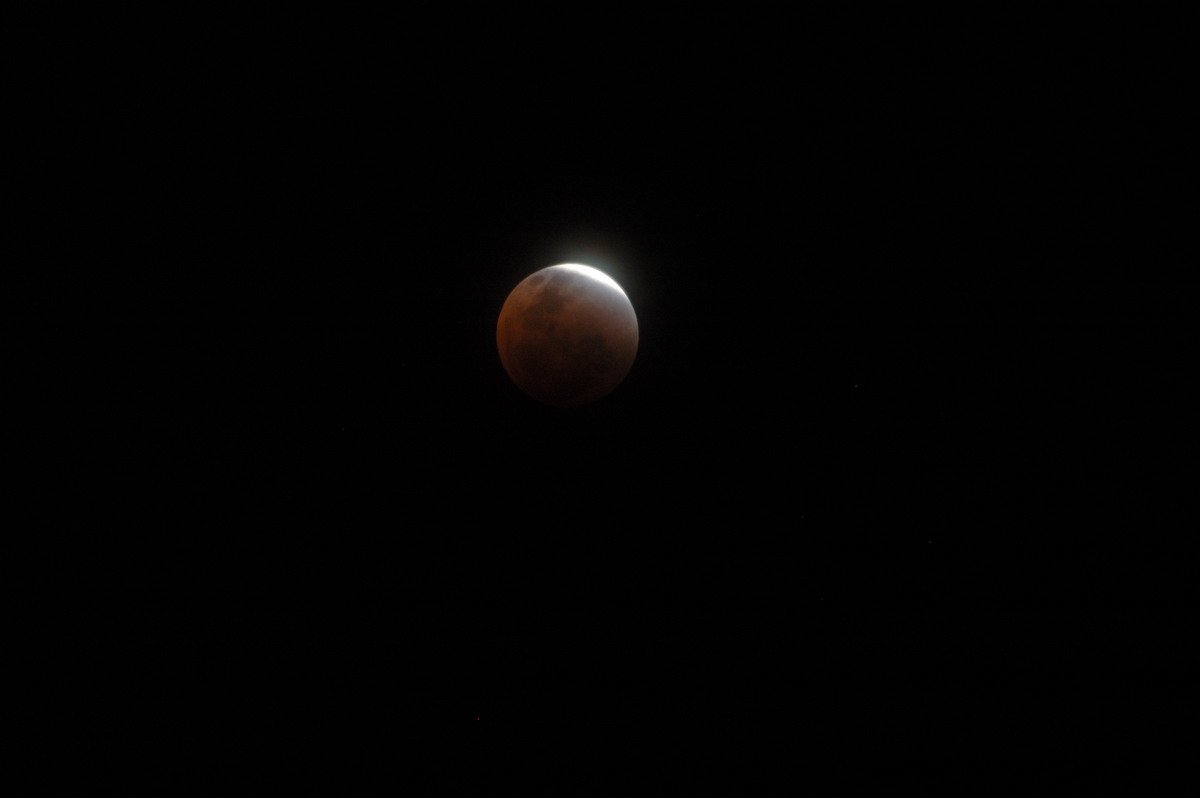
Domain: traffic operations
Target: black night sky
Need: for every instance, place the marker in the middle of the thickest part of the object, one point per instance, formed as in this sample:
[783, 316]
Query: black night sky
[304, 523]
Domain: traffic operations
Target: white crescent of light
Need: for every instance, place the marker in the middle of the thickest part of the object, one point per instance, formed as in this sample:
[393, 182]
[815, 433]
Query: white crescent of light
[595, 274]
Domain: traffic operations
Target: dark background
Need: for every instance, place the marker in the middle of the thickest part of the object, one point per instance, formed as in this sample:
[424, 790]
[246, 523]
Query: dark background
[300, 519]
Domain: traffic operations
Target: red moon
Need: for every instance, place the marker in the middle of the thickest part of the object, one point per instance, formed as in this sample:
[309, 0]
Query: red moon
[567, 335]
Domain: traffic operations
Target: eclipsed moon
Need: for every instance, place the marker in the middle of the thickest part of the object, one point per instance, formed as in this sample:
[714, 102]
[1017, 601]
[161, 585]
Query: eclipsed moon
[567, 335]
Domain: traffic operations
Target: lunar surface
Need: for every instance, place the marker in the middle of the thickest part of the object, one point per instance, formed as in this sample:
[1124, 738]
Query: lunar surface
[567, 335]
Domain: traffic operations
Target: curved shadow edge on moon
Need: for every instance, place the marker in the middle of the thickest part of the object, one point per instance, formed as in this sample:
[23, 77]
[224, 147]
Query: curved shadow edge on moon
[567, 335]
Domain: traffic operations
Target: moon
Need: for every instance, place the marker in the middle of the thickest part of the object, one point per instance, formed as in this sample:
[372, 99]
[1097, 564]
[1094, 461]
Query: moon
[567, 335]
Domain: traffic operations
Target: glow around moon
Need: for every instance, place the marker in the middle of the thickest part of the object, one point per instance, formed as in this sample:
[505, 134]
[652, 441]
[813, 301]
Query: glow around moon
[567, 334]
